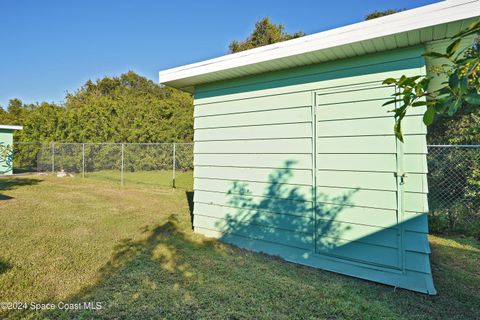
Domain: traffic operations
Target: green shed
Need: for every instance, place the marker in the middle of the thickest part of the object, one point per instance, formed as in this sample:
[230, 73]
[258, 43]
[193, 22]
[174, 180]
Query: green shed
[295, 157]
[6, 145]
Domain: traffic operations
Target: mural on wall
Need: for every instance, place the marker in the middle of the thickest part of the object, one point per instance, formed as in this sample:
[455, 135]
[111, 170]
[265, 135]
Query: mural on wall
[6, 158]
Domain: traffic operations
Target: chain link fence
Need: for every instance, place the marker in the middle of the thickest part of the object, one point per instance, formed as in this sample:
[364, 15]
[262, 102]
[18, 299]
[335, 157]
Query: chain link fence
[454, 189]
[166, 164]
[454, 172]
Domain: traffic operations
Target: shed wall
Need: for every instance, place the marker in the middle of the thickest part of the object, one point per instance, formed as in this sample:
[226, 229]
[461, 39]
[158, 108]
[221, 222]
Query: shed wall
[6, 160]
[255, 168]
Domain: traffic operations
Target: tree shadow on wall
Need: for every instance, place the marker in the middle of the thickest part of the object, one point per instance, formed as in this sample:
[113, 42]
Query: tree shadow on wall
[283, 213]
[280, 219]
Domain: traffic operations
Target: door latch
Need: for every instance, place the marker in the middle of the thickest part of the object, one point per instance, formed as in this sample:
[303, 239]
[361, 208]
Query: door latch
[402, 177]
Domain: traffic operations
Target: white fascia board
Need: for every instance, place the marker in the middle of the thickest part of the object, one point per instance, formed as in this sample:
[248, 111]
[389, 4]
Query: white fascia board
[419, 18]
[10, 127]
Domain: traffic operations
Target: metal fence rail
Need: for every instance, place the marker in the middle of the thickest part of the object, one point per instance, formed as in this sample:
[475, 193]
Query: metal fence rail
[453, 179]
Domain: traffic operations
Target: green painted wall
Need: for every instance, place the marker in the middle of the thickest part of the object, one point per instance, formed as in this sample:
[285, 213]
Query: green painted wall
[6, 157]
[302, 163]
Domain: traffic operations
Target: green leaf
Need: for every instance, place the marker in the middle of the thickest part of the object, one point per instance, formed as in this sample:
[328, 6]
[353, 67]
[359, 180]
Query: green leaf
[454, 107]
[428, 116]
[391, 102]
[473, 99]
[400, 112]
[419, 103]
[424, 83]
[415, 78]
[397, 128]
[389, 81]
[453, 80]
[474, 27]
[418, 90]
[402, 80]
[435, 55]
[463, 84]
[453, 47]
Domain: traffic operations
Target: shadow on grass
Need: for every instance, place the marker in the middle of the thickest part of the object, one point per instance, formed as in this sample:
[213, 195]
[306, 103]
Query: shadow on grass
[173, 274]
[14, 183]
[4, 266]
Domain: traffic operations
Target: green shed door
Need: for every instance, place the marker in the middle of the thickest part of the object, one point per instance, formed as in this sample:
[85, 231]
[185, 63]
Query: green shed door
[357, 159]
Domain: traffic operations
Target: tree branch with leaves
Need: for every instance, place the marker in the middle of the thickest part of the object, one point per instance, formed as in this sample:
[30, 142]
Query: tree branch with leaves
[462, 88]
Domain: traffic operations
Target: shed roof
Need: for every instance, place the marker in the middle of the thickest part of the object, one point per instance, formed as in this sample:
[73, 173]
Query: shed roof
[412, 27]
[10, 127]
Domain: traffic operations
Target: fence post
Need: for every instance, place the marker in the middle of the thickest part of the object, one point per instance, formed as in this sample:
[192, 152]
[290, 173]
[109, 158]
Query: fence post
[83, 160]
[53, 157]
[174, 164]
[121, 175]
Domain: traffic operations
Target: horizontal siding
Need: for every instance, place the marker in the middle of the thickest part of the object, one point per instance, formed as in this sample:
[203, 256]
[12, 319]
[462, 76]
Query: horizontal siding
[254, 188]
[416, 261]
[416, 202]
[416, 242]
[361, 252]
[285, 146]
[414, 163]
[251, 160]
[291, 115]
[303, 224]
[415, 221]
[292, 177]
[371, 144]
[358, 110]
[277, 131]
[385, 218]
[349, 94]
[369, 126]
[274, 205]
[362, 198]
[280, 236]
[215, 210]
[379, 236]
[279, 101]
[369, 180]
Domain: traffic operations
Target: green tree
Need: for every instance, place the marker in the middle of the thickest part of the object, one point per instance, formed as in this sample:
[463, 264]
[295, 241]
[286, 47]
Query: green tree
[265, 33]
[461, 128]
[378, 14]
[127, 108]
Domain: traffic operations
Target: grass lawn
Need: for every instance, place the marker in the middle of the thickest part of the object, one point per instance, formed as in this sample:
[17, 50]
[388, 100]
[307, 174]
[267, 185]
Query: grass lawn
[183, 180]
[133, 250]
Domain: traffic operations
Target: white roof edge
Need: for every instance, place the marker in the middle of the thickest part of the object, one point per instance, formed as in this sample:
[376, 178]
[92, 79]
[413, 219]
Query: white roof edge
[10, 127]
[418, 18]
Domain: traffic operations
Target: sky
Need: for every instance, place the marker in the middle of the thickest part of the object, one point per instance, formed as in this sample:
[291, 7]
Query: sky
[48, 48]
